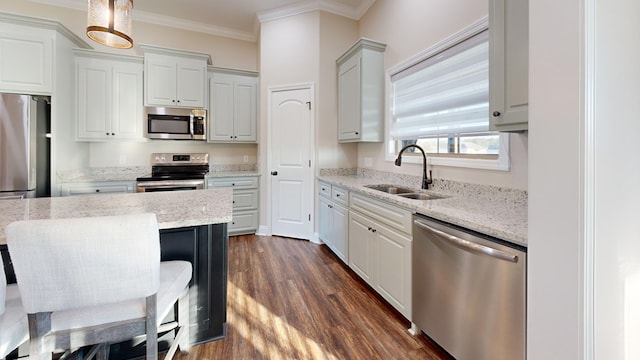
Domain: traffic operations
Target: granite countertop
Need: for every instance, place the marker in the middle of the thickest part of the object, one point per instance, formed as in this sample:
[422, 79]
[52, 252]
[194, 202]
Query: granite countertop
[499, 216]
[130, 174]
[174, 209]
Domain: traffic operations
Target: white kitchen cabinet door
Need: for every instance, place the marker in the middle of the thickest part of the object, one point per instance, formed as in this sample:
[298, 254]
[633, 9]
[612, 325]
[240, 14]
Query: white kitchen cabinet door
[127, 121]
[349, 127]
[26, 59]
[325, 217]
[361, 93]
[174, 81]
[160, 81]
[361, 244]
[108, 96]
[245, 109]
[392, 258]
[221, 108]
[508, 65]
[340, 233]
[233, 108]
[93, 99]
[191, 78]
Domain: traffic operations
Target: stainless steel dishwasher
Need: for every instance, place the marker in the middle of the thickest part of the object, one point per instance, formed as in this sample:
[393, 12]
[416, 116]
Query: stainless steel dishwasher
[469, 291]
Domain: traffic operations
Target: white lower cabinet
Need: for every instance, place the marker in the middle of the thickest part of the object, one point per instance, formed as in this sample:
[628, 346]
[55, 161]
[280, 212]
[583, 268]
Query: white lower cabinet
[97, 187]
[333, 228]
[245, 202]
[372, 237]
[380, 249]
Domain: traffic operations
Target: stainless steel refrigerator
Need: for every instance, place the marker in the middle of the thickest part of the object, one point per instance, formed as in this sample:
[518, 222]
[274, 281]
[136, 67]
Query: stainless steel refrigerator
[24, 146]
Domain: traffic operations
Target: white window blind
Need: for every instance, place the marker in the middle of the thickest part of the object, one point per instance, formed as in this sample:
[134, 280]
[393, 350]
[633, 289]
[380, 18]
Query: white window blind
[444, 95]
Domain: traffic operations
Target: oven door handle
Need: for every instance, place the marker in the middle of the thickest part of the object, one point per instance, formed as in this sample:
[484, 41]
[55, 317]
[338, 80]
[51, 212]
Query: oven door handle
[169, 183]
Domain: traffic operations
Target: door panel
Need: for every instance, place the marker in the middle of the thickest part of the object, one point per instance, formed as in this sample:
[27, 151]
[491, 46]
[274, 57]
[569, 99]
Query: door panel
[291, 163]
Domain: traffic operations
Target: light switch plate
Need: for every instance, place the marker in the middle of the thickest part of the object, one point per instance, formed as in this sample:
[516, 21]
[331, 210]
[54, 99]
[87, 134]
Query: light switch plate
[368, 162]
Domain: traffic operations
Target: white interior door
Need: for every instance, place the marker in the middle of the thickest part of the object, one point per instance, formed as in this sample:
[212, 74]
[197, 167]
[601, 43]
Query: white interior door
[291, 172]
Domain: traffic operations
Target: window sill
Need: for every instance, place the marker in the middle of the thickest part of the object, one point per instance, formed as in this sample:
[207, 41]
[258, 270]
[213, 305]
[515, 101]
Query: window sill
[502, 163]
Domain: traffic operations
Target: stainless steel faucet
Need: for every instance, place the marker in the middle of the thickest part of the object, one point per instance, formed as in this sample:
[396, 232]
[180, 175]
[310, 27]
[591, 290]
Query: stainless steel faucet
[425, 180]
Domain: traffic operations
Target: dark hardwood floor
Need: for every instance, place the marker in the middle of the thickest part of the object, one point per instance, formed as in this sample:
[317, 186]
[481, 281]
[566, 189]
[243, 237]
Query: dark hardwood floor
[292, 299]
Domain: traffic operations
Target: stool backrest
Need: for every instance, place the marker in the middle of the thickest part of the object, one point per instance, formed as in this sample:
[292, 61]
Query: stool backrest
[3, 287]
[63, 264]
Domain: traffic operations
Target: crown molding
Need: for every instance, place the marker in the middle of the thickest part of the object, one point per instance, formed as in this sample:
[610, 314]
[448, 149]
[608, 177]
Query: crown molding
[324, 5]
[156, 19]
[295, 9]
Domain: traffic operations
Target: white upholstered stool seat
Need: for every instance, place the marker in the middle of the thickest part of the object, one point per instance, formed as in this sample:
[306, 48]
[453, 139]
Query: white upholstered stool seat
[14, 329]
[174, 278]
[96, 280]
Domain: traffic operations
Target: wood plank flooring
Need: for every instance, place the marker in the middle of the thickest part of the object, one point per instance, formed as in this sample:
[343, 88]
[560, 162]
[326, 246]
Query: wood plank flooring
[292, 299]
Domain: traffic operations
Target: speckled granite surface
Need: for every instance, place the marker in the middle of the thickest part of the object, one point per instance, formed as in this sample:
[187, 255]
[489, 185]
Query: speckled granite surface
[498, 212]
[174, 209]
[130, 173]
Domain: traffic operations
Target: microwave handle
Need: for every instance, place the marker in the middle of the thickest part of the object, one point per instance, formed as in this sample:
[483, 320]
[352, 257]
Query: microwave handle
[192, 120]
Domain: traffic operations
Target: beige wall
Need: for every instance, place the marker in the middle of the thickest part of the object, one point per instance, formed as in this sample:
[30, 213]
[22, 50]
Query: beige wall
[409, 27]
[337, 34]
[225, 52]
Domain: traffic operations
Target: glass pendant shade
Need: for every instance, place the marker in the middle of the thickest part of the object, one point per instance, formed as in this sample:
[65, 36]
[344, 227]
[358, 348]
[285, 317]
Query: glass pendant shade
[109, 22]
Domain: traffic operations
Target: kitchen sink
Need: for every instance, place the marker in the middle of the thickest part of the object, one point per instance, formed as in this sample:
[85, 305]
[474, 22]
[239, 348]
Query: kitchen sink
[391, 189]
[420, 196]
[404, 192]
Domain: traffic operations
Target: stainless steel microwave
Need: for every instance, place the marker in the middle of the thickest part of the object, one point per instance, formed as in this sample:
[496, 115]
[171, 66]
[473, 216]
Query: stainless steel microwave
[175, 124]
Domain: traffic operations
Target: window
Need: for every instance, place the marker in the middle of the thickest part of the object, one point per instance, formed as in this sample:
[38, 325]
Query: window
[440, 101]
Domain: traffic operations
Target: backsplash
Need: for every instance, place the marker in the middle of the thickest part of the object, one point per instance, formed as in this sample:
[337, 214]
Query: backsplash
[493, 193]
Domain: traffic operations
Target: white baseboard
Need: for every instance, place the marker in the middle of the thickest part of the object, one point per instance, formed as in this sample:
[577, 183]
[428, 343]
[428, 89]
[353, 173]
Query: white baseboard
[263, 230]
[315, 238]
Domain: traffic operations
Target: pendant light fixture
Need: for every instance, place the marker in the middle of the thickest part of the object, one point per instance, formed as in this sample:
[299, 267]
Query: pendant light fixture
[109, 22]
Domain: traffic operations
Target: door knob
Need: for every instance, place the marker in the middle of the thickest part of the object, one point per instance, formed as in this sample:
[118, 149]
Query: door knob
[274, 173]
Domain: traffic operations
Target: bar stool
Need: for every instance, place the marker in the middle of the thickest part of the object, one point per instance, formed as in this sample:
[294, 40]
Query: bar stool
[13, 320]
[96, 280]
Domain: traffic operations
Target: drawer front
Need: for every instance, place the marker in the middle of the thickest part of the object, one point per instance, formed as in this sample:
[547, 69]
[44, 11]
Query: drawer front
[324, 189]
[245, 199]
[340, 195]
[382, 212]
[243, 222]
[236, 183]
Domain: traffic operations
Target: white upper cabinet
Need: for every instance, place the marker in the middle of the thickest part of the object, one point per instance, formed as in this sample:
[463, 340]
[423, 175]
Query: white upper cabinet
[509, 65]
[108, 96]
[26, 59]
[174, 78]
[361, 93]
[233, 106]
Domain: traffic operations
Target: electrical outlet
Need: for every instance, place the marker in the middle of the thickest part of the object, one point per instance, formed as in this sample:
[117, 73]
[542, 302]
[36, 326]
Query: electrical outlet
[245, 158]
[123, 159]
[368, 162]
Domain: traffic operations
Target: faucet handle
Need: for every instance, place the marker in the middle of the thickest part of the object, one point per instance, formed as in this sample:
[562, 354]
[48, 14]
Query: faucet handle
[430, 179]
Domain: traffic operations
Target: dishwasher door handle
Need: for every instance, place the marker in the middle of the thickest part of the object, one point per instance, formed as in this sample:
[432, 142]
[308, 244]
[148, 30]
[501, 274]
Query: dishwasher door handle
[469, 245]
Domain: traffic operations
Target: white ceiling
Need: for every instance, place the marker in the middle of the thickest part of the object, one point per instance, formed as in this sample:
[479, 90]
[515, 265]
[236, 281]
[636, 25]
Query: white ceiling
[231, 18]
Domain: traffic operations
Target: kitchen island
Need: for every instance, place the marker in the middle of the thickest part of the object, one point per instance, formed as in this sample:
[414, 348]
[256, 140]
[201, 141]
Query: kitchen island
[193, 227]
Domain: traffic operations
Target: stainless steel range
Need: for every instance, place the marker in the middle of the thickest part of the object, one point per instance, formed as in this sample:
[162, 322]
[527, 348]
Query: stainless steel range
[171, 172]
